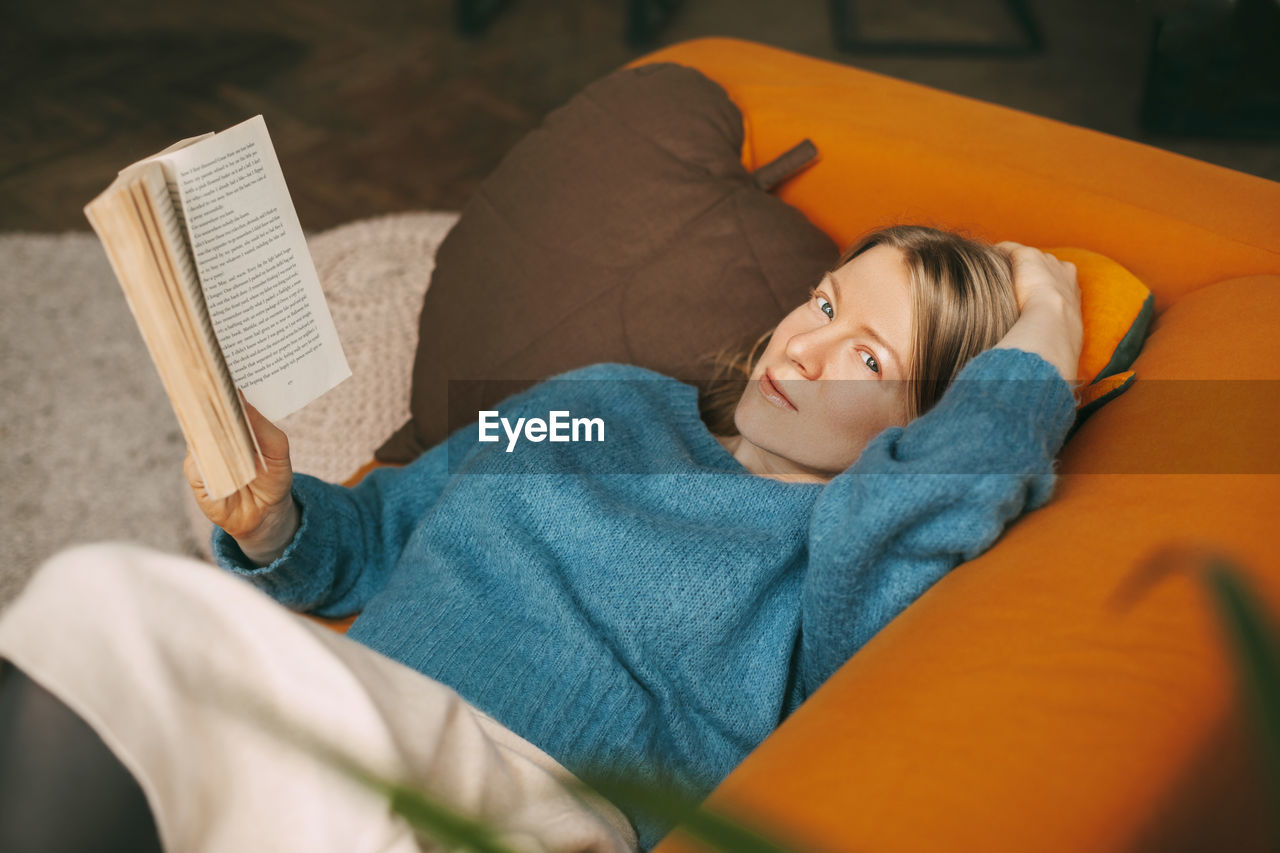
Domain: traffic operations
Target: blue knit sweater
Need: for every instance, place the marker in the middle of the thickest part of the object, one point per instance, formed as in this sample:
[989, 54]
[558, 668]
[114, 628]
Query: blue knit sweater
[645, 604]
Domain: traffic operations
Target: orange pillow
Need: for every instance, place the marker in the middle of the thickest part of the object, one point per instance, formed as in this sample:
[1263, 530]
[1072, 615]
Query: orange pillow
[1116, 309]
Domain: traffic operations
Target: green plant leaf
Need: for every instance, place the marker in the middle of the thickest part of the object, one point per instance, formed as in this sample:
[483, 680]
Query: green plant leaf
[436, 820]
[711, 827]
[1253, 644]
[1255, 648]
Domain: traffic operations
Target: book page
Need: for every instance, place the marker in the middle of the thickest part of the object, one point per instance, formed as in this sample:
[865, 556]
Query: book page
[191, 315]
[172, 233]
[260, 284]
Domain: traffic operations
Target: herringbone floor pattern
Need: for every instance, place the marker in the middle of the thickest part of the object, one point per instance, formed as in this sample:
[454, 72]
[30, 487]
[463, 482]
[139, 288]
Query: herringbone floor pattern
[379, 107]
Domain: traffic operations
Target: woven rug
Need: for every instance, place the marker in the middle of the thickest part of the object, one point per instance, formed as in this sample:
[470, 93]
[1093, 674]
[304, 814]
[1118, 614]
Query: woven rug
[91, 448]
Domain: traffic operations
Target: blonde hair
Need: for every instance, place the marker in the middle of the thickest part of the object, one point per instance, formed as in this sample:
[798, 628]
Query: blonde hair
[962, 303]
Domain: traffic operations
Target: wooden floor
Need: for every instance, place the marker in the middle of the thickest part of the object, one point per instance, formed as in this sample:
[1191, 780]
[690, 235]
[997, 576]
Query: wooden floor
[382, 106]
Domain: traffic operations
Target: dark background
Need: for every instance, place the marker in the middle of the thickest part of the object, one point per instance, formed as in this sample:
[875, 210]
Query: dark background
[384, 106]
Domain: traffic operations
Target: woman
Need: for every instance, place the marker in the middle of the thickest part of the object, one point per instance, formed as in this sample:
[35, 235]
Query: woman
[661, 626]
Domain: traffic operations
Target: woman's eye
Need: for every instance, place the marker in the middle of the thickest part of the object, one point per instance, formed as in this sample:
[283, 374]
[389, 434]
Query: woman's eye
[825, 307]
[870, 361]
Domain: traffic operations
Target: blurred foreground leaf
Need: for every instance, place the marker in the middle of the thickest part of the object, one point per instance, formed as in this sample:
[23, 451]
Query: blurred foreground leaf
[711, 827]
[1255, 647]
[439, 822]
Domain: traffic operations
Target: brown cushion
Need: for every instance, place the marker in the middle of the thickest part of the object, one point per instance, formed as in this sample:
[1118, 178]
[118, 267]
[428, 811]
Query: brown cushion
[624, 229]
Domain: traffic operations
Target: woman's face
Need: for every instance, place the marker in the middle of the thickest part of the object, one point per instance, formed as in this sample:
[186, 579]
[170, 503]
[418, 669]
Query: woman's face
[832, 375]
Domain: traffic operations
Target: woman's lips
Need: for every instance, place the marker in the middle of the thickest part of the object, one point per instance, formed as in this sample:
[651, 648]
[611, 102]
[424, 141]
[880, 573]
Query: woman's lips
[773, 393]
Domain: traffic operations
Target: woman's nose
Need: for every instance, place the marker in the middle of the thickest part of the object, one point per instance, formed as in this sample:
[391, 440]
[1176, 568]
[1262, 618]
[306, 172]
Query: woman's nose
[807, 351]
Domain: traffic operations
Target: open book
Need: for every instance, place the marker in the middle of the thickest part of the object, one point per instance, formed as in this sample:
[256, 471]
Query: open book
[207, 247]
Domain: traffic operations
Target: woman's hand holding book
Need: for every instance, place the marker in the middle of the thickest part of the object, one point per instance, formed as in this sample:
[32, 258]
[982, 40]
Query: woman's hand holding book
[262, 516]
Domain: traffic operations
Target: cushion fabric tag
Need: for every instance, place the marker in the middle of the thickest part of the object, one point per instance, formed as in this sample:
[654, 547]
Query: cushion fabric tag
[786, 165]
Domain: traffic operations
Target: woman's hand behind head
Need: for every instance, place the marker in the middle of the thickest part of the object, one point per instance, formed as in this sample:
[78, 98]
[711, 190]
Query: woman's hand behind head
[1039, 277]
[1049, 322]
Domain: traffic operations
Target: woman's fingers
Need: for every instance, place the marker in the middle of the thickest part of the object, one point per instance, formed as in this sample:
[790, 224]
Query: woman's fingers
[264, 503]
[214, 510]
[192, 471]
[1040, 275]
[272, 440]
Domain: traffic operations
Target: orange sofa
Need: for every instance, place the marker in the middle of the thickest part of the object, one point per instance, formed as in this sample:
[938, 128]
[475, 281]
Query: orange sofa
[1036, 699]
[1045, 696]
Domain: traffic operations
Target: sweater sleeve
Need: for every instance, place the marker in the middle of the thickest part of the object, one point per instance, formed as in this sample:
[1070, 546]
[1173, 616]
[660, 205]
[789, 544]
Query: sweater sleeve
[349, 539]
[923, 498]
